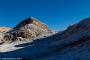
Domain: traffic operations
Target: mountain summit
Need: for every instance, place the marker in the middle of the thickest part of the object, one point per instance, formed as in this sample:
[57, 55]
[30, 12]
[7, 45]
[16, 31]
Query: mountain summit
[34, 21]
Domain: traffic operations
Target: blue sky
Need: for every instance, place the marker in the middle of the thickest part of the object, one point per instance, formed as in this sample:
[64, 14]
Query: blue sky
[57, 14]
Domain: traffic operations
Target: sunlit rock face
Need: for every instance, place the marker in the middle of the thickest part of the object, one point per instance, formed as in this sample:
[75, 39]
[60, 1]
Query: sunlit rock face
[33, 21]
[4, 29]
[29, 28]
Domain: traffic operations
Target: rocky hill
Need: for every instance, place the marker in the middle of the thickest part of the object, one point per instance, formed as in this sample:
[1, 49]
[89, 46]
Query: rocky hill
[70, 44]
[27, 30]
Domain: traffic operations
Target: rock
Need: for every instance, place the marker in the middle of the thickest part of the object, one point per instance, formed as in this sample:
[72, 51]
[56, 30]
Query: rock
[71, 44]
[34, 21]
[83, 25]
[28, 29]
[4, 29]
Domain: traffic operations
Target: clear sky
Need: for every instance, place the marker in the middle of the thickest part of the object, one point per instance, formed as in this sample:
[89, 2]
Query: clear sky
[57, 14]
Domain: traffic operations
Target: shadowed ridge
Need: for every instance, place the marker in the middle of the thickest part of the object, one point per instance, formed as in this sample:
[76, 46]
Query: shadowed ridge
[83, 25]
[85, 22]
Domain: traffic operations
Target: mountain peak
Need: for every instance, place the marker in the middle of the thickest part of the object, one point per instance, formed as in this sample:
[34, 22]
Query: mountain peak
[32, 17]
[34, 21]
[29, 28]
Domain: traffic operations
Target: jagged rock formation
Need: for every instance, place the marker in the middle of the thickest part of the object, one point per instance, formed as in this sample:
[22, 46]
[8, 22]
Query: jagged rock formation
[29, 28]
[71, 44]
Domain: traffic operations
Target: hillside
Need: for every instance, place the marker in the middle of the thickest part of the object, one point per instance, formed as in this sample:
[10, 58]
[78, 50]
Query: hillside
[70, 44]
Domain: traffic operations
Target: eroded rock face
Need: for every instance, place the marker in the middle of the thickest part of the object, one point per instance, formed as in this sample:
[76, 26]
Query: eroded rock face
[28, 29]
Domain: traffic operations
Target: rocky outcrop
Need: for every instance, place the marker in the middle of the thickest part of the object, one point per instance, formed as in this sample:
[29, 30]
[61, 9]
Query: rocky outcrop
[30, 29]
